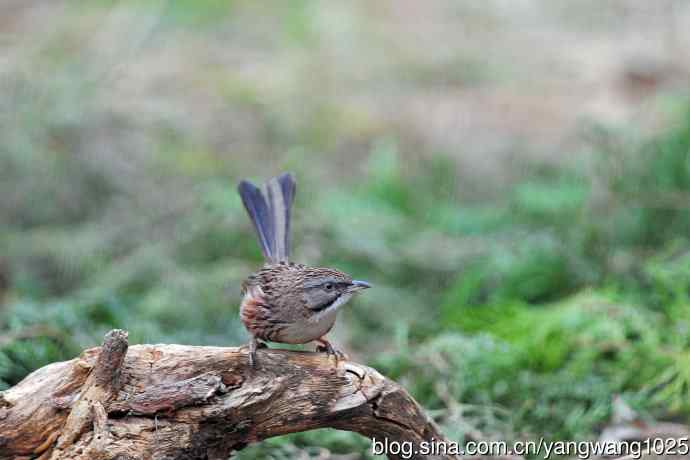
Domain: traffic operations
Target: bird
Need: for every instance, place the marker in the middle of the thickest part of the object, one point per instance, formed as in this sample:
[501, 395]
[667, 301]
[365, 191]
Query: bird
[284, 301]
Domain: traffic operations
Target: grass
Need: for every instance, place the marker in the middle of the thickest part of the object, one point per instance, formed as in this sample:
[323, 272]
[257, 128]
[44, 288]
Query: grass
[528, 334]
[514, 313]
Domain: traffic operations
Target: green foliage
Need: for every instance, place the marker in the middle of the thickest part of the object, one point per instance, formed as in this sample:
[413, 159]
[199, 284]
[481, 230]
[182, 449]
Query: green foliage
[559, 362]
[665, 281]
[312, 444]
[550, 198]
[651, 189]
[516, 313]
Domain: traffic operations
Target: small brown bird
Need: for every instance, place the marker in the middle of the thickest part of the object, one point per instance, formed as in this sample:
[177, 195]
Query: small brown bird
[287, 302]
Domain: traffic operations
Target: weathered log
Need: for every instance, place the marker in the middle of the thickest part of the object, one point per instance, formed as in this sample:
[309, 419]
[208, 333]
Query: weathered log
[192, 402]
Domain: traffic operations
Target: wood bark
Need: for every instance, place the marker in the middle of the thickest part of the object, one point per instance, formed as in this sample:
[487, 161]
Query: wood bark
[192, 402]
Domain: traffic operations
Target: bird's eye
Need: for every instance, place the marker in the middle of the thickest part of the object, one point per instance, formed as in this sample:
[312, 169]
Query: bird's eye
[328, 286]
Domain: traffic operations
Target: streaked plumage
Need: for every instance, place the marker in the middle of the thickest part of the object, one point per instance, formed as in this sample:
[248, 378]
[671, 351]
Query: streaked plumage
[283, 301]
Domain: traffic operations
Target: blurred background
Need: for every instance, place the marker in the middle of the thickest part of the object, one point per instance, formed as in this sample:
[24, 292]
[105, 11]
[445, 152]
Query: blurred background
[512, 176]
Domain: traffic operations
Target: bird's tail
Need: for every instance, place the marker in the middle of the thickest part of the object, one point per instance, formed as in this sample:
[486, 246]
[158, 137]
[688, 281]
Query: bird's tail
[269, 210]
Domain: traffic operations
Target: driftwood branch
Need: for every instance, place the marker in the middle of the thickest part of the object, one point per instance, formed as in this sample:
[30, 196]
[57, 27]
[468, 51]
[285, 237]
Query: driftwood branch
[186, 402]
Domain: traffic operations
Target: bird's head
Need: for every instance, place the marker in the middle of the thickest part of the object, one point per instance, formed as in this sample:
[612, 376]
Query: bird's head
[325, 288]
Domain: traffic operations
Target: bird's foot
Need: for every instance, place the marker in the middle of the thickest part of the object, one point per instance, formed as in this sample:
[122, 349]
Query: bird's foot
[325, 346]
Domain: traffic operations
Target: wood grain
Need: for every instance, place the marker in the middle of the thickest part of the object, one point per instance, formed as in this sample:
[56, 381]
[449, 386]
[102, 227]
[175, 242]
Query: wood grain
[191, 402]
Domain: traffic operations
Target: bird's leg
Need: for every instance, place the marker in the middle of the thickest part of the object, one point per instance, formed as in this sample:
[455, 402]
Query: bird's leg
[254, 344]
[325, 346]
[252, 351]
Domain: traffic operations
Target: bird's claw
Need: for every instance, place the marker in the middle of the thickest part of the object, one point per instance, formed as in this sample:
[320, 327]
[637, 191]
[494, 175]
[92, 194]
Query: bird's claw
[326, 347]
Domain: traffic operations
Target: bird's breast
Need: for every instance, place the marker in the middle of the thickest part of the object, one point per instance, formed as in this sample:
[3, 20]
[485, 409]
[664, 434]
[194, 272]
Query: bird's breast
[273, 324]
[307, 329]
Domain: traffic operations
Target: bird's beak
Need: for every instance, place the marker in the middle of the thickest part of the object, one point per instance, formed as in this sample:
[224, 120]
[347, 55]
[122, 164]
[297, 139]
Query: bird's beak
[358, 285]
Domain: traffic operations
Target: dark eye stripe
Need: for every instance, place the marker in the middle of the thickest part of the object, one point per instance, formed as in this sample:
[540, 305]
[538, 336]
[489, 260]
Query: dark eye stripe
[321, 283]
[325, 305]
